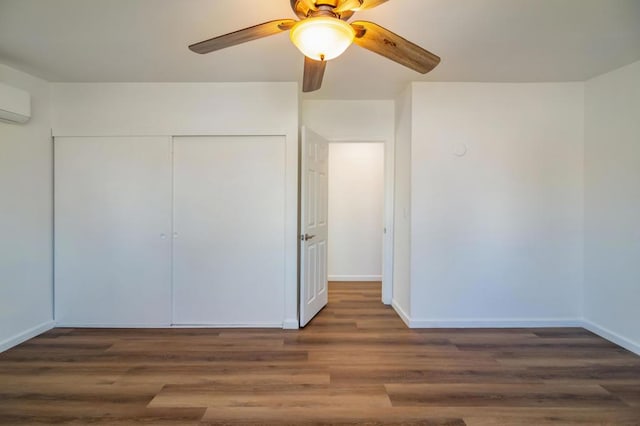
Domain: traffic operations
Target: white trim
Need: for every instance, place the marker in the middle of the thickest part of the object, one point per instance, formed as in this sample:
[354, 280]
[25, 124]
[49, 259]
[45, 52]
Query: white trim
[389, 221]
[216, 325]
[177, 134]
[519, 323]
[26, 335]
[496, 323]
[172, 166]
[401, 313]
[611, 336]
[62, 324]
[356, 140]
[231, 325]
[486, 322]
[355, 278]
[291, 324]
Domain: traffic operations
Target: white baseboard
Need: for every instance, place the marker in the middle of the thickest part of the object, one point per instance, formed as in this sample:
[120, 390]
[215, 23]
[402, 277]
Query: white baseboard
[109, 325]
[401, 313]
[213, 325]
[519, 323]
[26, 335]
[231, 325]
[496, 323]
[611, 336]
[354, 277]
[290, 324]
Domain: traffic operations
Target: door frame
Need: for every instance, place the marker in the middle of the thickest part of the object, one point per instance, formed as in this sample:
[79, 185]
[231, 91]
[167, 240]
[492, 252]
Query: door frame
[388, 214]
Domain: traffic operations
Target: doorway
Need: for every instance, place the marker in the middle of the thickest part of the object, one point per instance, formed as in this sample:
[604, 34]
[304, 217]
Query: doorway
[356, 211]
[368, 169]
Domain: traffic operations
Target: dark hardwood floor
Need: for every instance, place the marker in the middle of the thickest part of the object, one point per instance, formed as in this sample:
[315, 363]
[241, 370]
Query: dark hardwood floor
[355, 363]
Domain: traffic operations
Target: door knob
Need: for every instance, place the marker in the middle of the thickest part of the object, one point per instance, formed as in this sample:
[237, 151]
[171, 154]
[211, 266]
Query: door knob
[306, 237]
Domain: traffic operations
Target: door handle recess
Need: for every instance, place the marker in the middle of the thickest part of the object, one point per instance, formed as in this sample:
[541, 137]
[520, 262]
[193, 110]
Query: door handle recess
[306, 237]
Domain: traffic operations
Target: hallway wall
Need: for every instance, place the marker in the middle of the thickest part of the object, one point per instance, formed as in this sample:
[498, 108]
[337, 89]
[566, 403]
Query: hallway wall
[356, 203]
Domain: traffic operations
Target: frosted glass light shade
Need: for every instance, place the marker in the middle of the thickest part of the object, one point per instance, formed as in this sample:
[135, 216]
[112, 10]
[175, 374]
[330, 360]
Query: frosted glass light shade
[322, 38]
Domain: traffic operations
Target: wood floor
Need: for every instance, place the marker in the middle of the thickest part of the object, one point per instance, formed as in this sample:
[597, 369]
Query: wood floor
[355, 363]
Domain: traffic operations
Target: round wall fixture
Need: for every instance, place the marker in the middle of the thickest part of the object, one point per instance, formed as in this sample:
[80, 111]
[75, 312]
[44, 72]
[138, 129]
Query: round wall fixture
[460, 150]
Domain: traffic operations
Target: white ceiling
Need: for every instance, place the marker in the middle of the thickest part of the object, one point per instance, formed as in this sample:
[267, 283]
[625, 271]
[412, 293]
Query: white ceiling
[478, 40]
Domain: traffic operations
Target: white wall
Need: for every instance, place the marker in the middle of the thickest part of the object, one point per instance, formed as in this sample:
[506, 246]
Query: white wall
[497, 207]
[356, 204]
[362, 121]
[350, 120]
[612, 205]
[402, 206]
[26, 217]
[193, 109]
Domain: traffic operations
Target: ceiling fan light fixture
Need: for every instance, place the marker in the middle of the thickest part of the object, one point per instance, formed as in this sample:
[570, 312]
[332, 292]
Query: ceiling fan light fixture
[323, 34]
[322, 38]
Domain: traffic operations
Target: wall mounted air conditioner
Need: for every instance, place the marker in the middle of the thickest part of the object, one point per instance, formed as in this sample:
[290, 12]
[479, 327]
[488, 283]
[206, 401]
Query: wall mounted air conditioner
[15, 104]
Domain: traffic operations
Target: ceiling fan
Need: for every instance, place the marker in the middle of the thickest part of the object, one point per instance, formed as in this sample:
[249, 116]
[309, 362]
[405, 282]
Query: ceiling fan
[322, 33]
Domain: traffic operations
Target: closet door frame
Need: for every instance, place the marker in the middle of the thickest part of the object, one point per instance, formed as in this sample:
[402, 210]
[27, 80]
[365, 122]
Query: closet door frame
[289, 132]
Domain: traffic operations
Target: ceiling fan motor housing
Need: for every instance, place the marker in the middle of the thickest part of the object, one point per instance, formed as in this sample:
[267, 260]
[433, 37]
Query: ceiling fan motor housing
[308, 8]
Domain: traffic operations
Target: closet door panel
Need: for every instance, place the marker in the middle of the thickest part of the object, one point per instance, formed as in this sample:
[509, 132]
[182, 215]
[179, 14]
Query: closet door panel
[229, 224]
[113, 231]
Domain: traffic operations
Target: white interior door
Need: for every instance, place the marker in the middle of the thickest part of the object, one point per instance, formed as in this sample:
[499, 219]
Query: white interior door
[112, 231]
[314, 196]
[229, 230]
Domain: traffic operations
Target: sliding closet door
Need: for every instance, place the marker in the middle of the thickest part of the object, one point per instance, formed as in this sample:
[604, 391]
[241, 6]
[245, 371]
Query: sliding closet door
[229, 212]
[112, 231]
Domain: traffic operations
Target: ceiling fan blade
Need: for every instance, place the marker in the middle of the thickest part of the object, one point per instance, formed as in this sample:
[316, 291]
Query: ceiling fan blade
[242, 36]
[313, 74]
[377, 39]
